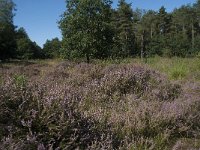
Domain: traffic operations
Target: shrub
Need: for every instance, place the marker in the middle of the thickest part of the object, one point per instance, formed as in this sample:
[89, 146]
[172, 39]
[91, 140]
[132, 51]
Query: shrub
[95, 106]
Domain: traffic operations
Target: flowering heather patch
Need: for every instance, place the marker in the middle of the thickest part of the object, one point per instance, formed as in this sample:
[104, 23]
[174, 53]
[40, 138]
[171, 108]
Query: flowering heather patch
[94, 106]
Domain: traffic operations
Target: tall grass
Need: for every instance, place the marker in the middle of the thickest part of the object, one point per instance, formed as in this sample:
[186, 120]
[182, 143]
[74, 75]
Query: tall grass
[177, 68]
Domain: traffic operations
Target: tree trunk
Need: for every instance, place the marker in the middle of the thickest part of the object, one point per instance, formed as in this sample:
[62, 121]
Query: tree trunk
[151, 31]
[192, 35]
[199, 23]
[88, 58]
[142, 45]
[184, 29]
[176, 29]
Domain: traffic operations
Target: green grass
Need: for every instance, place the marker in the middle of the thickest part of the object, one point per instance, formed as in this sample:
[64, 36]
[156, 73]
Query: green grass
[20, 80]
[175, 68]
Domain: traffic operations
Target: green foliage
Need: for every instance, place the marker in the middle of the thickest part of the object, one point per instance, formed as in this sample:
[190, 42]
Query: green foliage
[92, 29]
[198, 55]
[52, 48]
[155, 46]
[164, 21]
[177, 73]
[7, 41]
[125, 37]
[26, 49]
[6, 11]
[124, 32]
[7, 30]
[177, 68]
[14, 44]
[84, 28]
[7, 34]
[20, 81]
[196, 49]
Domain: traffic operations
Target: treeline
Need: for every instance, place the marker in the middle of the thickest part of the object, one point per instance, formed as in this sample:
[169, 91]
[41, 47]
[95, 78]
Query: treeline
[15, 43]
[93, 29]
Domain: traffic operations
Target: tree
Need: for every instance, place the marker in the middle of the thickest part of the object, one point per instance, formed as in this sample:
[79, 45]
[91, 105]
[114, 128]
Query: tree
[93, 29]
[26, 49]
[180, 45]
[6, 11]
[192, 21]
[125, 32]
[159, 43]
[84, 27]
[52, 48]
[164, 21]
[7, 30]
[179, 19]
[197, 10]
[21, 33]
[149, 20]
[185, 20]
[146, 28]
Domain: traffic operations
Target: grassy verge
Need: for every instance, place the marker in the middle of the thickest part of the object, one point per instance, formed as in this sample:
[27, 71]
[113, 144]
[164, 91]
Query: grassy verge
[177, 68]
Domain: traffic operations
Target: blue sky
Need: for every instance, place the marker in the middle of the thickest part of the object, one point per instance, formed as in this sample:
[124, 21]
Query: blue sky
[40, 17]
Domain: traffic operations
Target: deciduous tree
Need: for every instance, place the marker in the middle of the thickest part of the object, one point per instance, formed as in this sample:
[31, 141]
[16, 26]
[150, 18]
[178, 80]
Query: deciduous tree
[7, 30]
[84, 27]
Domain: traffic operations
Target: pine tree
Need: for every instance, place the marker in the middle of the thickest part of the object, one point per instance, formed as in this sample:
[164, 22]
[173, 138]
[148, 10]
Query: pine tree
[164, 21]
[197, 10]
[125, 30]
[146, 30]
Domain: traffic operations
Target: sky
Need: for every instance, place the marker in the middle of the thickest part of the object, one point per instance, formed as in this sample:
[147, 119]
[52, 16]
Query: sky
[40, 17]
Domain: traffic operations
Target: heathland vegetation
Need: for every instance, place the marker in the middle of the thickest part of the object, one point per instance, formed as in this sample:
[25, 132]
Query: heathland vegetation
[94, 30]
[102, 105]
[119, 79]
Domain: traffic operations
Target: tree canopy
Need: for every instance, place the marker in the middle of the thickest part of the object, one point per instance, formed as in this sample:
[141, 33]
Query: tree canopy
[52, 48]
[85, 28]
[7, 30]
[93, 29]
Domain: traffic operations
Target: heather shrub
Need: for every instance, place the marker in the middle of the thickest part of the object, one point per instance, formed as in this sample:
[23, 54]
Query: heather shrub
[1, 80]
[134, 80]
[168, 92]
[95, 106]
[40, 118]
